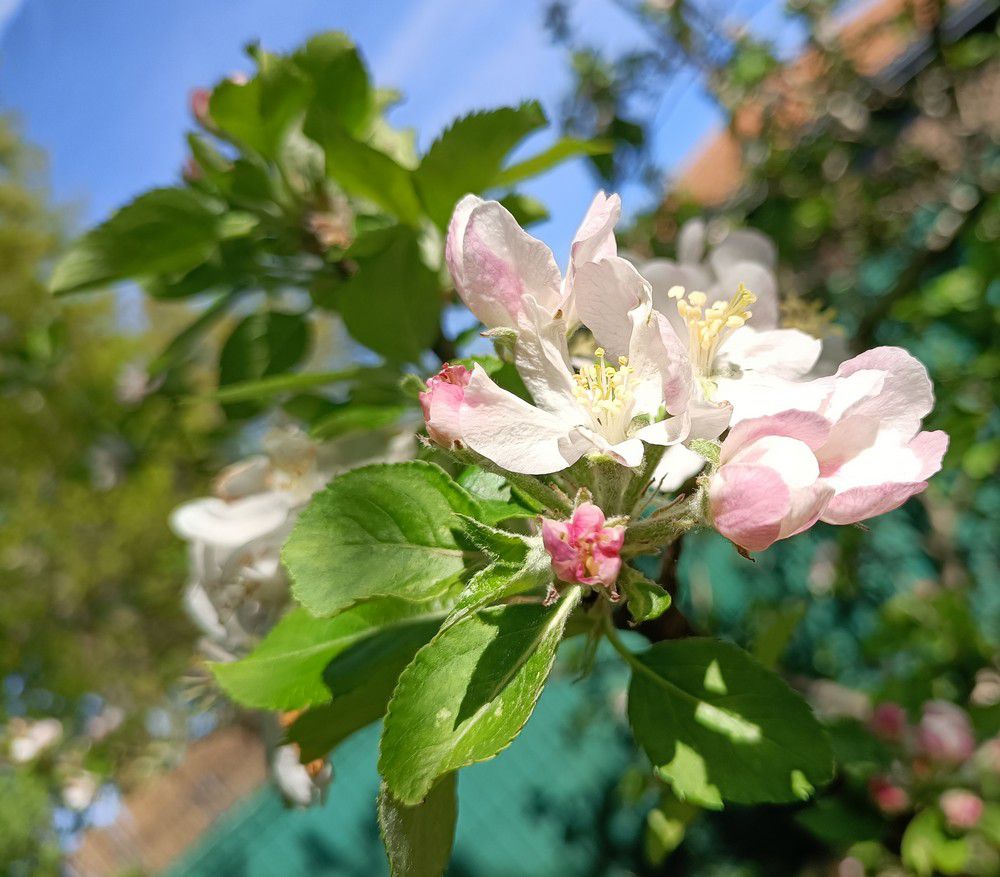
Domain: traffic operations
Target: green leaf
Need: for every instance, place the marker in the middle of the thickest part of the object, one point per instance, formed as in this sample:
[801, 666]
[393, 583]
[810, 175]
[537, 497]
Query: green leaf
[468, 693]
[839, 824]
[418, 839]
[393, 303]
[646, 599]
[162, 231]
[265, 388]
[365, 172]
[361, 679]
[342, 94]
[468, 156]
[496, 499]
[928, 849]
[352, 417]
[666, 825]
[557, 153]
[720, 727]
[383, 530]
[774, 632]
[259, 113]
[495, 543]
[501, 580]
[260, 345]
[286, 670]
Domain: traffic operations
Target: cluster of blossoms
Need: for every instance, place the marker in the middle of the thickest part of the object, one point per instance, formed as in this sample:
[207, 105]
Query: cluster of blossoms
[689, 368]
[936, 761]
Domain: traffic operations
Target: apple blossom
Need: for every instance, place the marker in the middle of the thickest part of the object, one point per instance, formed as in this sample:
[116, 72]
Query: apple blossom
[962, 809]
[442, 401]
[495, 264]
[768, 484]
[944, 733]
[888, 722]
[584, 550]
[888, 797]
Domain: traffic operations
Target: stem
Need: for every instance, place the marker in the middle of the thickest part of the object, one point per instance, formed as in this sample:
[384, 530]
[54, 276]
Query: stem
[612, 634]
[642, 481]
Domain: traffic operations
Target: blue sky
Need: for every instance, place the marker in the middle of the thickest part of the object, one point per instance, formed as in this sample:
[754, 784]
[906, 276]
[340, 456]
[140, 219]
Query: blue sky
[102, 86]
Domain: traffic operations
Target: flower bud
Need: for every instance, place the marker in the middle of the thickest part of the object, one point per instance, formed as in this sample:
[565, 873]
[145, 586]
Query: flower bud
[962, 809]
[198, 101]
[945, 733]
[888, 722]
[888, 797]
[583, 549]
[442, 401]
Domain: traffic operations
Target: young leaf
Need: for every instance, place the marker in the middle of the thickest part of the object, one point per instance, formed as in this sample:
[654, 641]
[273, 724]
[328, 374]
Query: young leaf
[160, 232]
[258, 113]
[646, 600]
[495, 543]
[352, 417]
[418, 839]
[342, 94]
[719, 727]
[286, 670]
[468, 155]
[364, 171]
[393, 303]
[557, 153]
[383, 530]
[265, 388]
[468, 693]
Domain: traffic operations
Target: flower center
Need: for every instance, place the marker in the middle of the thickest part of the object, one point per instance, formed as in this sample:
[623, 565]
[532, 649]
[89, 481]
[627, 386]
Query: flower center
[606, 392]
[707, 329]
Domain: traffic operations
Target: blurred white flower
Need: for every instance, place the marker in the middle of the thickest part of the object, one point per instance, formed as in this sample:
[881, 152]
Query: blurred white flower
[29, 739]
[79, 790]
[237, 588]
[301, 785]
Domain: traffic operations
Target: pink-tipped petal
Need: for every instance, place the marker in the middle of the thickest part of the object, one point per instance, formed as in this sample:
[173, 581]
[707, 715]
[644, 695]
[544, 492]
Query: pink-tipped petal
[501, 263]
[748, 505]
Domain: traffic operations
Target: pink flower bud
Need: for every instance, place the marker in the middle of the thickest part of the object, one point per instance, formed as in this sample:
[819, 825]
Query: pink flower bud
[198, 101]
[583, 549]
[442, 401]
[888, 722]
[945, 733]
[962, 809]
[888, 797]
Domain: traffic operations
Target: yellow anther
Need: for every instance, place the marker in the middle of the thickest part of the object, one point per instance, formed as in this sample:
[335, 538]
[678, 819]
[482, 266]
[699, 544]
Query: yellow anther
[606, 393]
[708, 328]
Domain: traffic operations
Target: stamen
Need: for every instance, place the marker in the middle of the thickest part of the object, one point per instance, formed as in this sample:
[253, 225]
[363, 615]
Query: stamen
[707, 329]
[606, 392]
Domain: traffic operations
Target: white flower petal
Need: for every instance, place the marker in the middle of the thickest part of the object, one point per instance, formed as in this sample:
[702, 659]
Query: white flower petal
[542, 360]
[677, 465]
[227, 525]
[691, 241]
[785, 353]
[743, 245]
[605, 293]
[514, 434]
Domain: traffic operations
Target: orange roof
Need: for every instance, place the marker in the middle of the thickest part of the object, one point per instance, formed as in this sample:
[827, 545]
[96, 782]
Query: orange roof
[871, 39]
